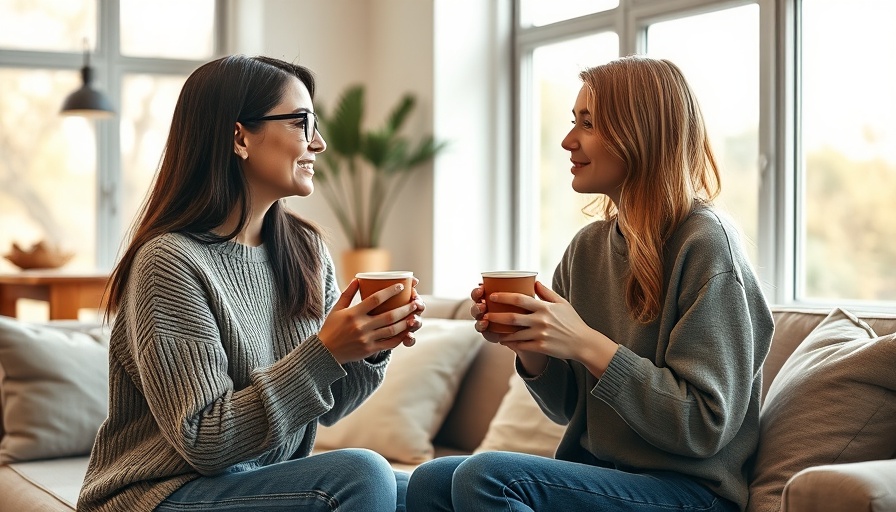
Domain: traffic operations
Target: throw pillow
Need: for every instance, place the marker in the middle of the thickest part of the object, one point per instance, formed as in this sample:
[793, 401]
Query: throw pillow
[834, 401]
[54, 390]
[520, 425]
[400, 419]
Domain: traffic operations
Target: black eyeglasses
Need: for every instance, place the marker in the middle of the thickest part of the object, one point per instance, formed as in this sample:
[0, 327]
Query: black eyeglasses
[309, 126]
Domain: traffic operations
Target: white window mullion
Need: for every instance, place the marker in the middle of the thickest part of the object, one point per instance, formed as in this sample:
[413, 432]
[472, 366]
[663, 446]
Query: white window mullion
[108, 197]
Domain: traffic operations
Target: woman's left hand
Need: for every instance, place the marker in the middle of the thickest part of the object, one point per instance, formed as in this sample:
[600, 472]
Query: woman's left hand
[553, 328]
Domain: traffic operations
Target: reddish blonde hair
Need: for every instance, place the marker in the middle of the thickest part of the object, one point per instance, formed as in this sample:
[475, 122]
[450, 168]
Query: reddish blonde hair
[649, 117]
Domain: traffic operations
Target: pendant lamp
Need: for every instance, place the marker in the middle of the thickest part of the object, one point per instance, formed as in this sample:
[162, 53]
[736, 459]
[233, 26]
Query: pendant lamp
[87, 101]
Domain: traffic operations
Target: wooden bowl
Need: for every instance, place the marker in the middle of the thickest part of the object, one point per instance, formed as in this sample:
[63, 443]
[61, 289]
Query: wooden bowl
[41, 255]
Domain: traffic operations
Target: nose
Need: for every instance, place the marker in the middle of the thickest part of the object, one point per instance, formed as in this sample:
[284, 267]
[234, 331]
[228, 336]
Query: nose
[569, 142]
[317, 144]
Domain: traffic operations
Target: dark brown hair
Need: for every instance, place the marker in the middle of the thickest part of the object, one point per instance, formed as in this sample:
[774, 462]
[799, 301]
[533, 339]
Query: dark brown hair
[200, 182]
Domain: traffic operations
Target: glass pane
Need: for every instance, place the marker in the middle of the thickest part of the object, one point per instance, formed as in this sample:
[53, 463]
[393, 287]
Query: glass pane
[543, 12]
[555, 85]
[147, 105]
[849, 151]
[47, 167]
[188, 28]
[49, 25]
[718, 53]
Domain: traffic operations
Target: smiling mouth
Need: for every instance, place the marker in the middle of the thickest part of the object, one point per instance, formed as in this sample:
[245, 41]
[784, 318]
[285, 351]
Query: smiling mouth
[577, 165]
[308, 167]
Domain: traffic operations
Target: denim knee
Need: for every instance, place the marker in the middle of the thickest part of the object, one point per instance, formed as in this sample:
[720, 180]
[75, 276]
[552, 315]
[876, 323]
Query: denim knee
[366, 480]
[429, 488]
[488, 465]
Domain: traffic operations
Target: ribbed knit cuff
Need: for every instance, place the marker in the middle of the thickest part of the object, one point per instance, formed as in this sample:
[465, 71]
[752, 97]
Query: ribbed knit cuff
[326, 368]
[622, 368]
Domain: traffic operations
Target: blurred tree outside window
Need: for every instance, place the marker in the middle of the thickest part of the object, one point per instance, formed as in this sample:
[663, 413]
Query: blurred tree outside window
[847, 239]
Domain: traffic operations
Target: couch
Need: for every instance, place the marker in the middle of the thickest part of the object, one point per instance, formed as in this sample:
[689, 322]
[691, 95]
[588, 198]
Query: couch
[446, 396]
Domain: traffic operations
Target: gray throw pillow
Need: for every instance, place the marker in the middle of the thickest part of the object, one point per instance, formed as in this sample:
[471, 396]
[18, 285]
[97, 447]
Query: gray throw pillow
[833, 402]
[53, 387]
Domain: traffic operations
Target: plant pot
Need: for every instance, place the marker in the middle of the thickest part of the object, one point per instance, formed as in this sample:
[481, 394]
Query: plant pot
[362, 260]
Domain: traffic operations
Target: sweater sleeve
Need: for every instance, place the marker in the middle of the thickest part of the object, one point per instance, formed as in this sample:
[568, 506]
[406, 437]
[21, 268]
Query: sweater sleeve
[362, 377]
[555, 389]
[183, 371]
[701, 394]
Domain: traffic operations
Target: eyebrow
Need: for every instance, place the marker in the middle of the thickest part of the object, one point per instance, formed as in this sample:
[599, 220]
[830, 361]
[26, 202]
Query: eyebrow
[582, 112]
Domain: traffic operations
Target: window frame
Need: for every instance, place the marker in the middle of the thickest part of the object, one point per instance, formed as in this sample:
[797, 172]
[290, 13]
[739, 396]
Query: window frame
[110, 67]
[778, 152]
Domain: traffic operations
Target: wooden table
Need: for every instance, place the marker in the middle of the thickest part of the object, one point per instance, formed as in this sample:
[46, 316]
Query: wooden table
[66, 292]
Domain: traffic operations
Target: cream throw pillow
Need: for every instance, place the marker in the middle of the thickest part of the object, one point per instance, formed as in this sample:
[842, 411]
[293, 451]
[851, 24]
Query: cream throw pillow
[833, 402]
[520, 425]
[400, 419]
[54, 390]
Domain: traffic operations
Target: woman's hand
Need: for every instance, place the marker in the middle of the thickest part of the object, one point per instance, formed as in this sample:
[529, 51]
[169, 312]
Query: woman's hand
[553, 328]
[478, 311]
[350, 334]
[414, 322]
[532, 362]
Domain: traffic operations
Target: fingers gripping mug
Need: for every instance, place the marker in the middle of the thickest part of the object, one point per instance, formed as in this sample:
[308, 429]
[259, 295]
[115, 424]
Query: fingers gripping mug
[372, 282]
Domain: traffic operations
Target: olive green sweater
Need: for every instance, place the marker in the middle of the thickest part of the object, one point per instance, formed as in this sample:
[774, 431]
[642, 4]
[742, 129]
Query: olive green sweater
[206, 372]
[682, 392]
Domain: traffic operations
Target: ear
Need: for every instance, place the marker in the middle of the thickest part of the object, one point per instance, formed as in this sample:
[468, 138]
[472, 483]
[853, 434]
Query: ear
[239, 141]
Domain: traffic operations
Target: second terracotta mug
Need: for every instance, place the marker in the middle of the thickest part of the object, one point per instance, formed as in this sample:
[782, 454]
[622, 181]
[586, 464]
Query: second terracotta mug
[517, 281]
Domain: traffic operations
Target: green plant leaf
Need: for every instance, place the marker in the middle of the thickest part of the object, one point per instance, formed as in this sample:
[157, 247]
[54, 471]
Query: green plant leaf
[362, 201]
[426, 150]
[343, 128]
[400, 113]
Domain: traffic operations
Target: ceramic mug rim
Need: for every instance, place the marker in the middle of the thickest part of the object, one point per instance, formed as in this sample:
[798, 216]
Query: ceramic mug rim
[509, 273]
[390, 274]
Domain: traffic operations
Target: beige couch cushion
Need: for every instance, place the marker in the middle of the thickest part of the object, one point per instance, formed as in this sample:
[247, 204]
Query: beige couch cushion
[54, 390]
[478, 398]
[792, 325]
[521, 426]
[834, 401]
[402, 416]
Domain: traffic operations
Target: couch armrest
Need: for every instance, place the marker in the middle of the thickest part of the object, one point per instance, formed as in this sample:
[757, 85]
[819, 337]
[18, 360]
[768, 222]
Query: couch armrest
[860, 486]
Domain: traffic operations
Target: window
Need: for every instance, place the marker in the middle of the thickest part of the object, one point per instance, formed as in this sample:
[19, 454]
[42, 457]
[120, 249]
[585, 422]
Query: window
[847, 163]
[552, 90]
[724, 75]
[77, 182]
[800, 121]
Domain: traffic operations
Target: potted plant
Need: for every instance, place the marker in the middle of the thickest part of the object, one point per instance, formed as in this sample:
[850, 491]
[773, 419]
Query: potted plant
[363, 171]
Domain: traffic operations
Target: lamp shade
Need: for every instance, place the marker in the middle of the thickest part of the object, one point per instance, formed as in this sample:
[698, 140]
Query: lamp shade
[87, 101]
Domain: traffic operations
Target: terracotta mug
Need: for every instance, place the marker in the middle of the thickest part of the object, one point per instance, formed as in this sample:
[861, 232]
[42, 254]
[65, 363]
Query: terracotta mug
[372, 282]
[516, 281]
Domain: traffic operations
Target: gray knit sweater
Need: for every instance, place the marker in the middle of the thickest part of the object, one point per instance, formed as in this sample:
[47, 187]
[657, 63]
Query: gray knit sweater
[682, 393]
[207, 373]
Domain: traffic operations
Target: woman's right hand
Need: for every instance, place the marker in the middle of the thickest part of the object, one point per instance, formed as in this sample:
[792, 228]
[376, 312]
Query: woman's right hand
[350, 334]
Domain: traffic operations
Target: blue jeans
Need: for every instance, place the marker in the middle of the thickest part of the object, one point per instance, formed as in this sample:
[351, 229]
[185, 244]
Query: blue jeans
[515, 482]
[345, 480]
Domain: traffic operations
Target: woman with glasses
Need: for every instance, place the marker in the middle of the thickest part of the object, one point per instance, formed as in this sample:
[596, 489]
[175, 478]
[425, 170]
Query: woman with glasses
[231, 340]
[650, 346]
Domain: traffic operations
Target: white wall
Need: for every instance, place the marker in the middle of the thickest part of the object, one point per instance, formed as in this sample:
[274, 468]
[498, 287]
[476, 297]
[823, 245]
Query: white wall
[446, 52]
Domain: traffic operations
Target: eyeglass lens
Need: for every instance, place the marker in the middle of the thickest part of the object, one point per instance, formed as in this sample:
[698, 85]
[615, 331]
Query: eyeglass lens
[310, 126]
